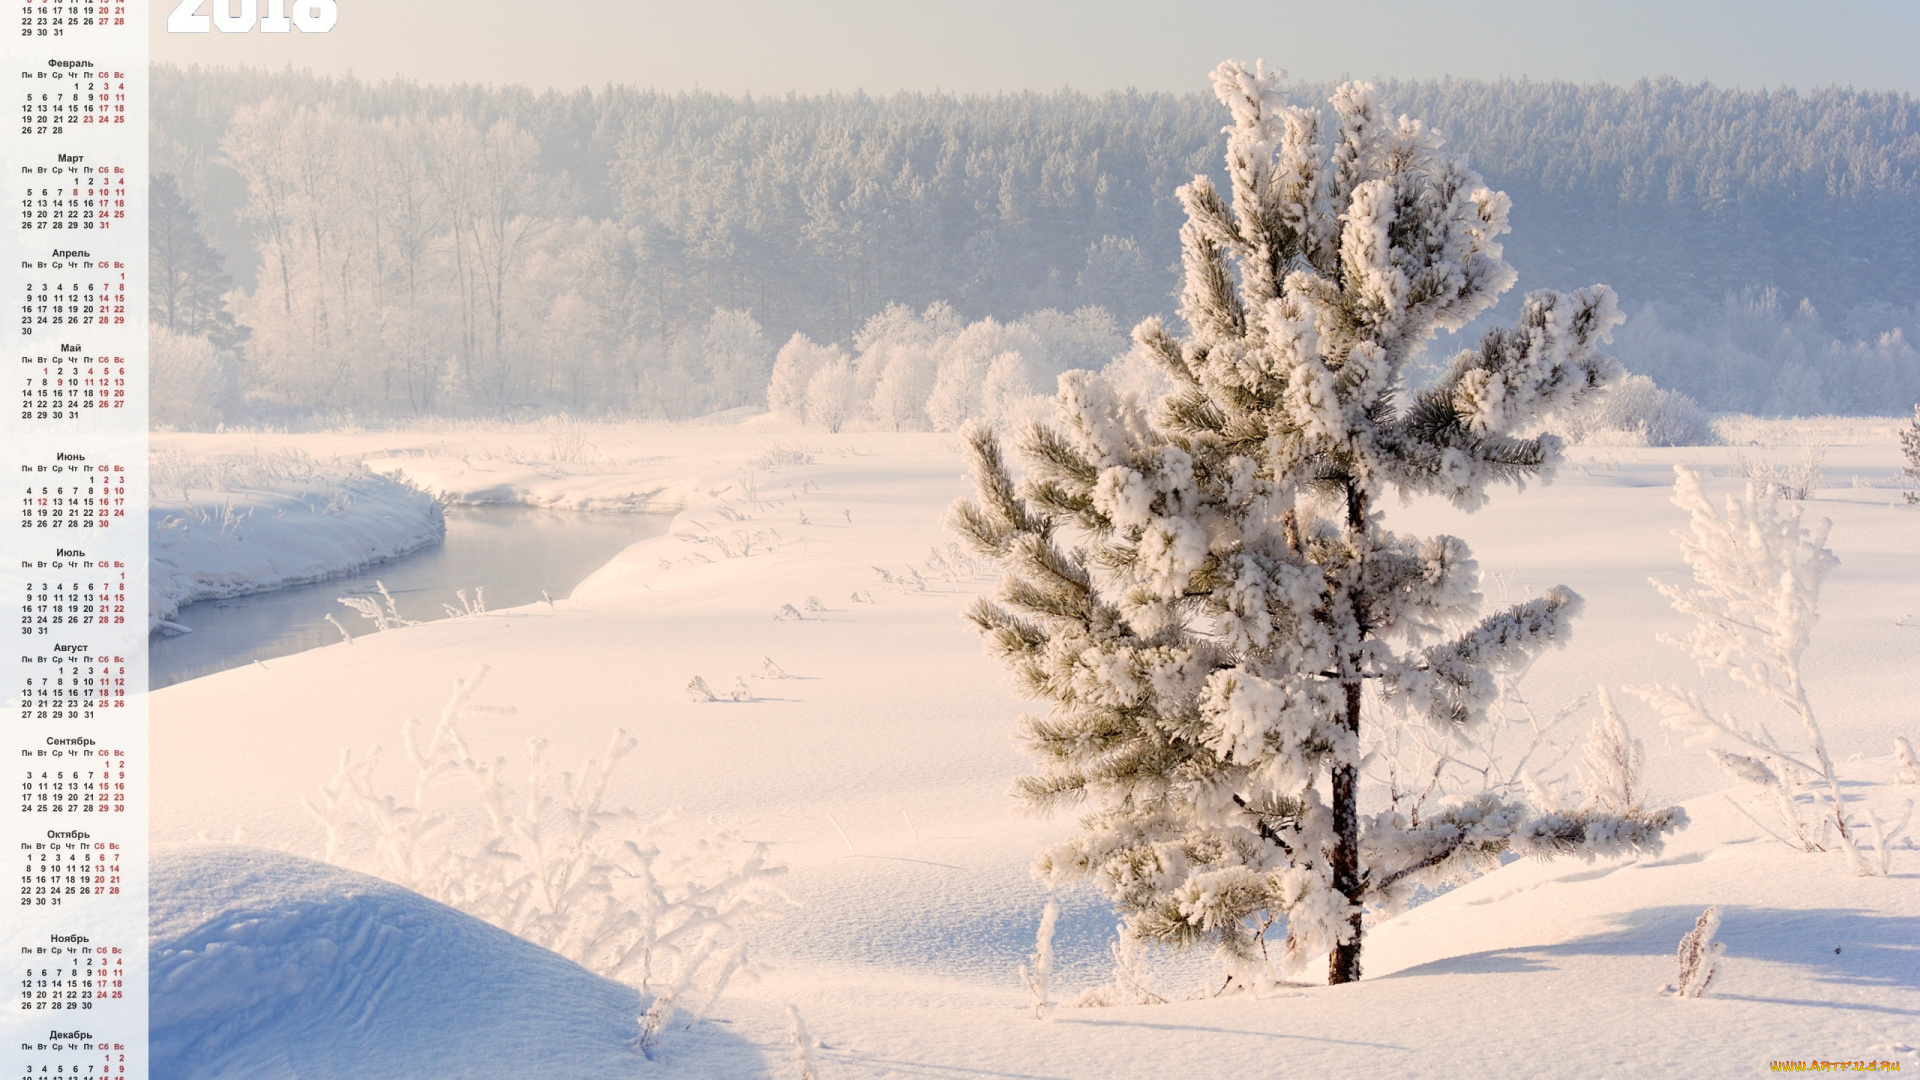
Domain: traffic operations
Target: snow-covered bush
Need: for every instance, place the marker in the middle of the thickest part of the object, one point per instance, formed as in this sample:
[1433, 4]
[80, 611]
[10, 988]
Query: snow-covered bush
[172, 473]
[1519, 753]
[794, 368]
[1699, 956]
[1635, 412]
[1910, 447]
[833, 396]
[1138, 374]
[566, 439]
[933, 371]
[552, 862]
[1757, 570]
[1203, 592]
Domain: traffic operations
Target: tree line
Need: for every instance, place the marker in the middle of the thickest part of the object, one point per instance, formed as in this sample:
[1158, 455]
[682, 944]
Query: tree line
[396, 248]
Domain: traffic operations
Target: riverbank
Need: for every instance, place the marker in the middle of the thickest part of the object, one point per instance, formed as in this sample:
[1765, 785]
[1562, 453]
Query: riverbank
[492, 557]
[225, 524]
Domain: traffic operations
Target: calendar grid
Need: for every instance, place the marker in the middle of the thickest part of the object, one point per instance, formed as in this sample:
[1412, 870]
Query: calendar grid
[73, 567]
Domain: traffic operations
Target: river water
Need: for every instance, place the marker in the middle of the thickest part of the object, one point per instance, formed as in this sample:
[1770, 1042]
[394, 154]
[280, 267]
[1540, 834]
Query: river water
[514, 553]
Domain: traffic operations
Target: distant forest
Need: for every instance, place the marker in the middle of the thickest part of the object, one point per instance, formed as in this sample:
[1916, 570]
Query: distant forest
[339, 246]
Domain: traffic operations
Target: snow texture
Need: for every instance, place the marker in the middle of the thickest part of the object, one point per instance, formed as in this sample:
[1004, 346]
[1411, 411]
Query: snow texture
[266, 964]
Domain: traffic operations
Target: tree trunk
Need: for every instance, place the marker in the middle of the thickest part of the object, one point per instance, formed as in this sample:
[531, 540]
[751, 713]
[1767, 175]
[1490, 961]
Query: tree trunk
[1343, 965]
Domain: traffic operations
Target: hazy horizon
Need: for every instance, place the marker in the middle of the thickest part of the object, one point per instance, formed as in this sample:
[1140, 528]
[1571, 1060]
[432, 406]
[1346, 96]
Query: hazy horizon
[846, 46]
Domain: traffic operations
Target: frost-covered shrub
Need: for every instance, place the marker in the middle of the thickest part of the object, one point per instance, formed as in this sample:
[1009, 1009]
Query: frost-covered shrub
[1137, 374]
[173, 473]
[1612, 764]
[793, 368]
[1637, 413]
[833, 396]
[646, 902]
[469, 605]
[1757, 570]
[1910, 447]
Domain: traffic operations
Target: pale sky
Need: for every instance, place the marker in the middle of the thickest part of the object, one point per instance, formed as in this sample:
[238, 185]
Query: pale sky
[881, 46]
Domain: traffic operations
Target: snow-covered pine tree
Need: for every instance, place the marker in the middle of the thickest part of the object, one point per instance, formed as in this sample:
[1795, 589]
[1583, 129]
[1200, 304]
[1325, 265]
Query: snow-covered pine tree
[1203, 591]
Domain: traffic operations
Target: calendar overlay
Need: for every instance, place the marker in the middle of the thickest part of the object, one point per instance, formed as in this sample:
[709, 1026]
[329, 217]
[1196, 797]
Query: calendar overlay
[73, 559]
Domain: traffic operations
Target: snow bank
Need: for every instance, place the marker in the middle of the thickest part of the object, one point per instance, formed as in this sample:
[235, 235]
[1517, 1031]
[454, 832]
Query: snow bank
[266, 964]
[225, 525]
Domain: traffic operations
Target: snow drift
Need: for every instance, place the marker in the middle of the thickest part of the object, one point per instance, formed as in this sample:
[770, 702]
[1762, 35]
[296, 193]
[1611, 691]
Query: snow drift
[267, 964]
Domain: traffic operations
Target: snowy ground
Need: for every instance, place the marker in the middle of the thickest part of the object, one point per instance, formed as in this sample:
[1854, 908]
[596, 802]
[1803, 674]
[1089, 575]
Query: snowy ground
[879, 772]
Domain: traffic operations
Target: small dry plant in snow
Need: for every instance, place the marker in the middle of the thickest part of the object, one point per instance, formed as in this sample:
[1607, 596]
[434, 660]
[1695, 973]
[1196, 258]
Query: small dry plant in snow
[567, 440]
[553, 863]
[1906, 762]
[802, 1045]
[1795, 482]
[1132, 979]
[781, 457]
[1699, 956]
[477, 605]
[1758, 570]
[1039, 976]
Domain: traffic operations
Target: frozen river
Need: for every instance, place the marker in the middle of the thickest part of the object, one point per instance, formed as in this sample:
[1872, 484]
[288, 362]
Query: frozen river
[513, 553]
